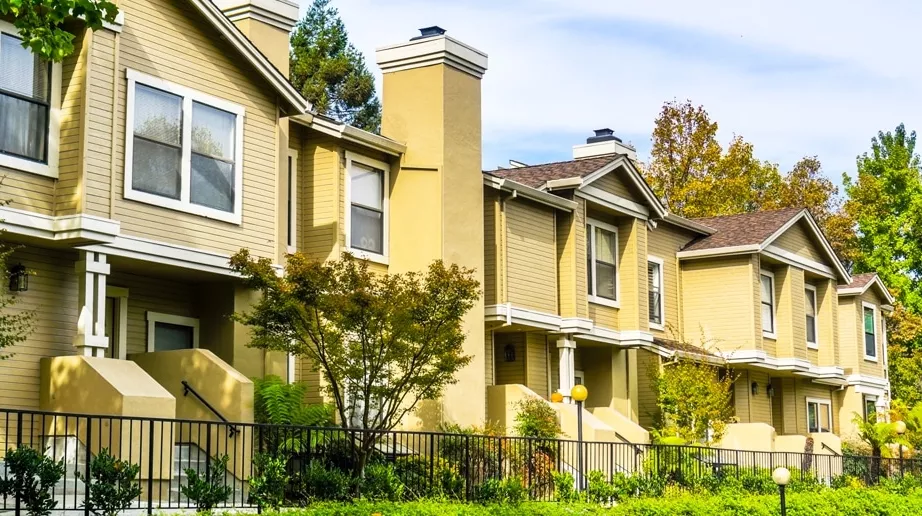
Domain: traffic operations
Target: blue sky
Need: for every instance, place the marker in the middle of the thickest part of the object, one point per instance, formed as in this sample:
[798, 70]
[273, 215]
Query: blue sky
[793, 78]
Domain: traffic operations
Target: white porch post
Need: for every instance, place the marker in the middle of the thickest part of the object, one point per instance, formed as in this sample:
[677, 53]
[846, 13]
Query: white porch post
[92, 270]
[566, 349]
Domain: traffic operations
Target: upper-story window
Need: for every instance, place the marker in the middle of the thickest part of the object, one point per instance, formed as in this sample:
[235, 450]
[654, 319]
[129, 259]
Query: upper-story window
[870, 332]
[367, 208]
[29, 96]
[655, 291]
[810, 308]
[184, 149]
[767, 280]
[602, 266]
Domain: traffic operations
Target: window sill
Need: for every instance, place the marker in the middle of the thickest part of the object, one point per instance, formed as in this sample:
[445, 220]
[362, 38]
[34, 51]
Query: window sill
[172, 204]
[870, 358]
[29, 166]
[769, 335]
[613, 303]
[813, 345]
[657, 326]
[369, 257]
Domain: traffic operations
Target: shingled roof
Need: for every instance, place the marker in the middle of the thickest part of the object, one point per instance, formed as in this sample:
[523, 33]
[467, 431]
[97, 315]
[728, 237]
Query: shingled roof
[536, 175]
[743, 229]
[860, 280]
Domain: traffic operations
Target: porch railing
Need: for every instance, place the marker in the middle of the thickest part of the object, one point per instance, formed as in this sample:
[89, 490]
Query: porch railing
[166, 448]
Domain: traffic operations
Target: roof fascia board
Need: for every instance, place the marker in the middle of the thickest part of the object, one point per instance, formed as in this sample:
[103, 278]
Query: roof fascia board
[818, 235]
[548, 199]
[562, 184]
[857, 291]
[635, 177]
[719, 251]
[790, 258]
[688, 224]
[351, 134]
[236, 38]
[614, 202]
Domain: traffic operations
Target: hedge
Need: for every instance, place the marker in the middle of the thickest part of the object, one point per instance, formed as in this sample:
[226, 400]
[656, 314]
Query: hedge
[846, 501]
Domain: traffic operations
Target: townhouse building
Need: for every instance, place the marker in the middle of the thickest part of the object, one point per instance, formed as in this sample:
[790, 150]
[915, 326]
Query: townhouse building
[172, 138]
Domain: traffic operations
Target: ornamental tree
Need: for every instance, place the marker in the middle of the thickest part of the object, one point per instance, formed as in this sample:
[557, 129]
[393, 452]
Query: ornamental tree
[383, 342]
[41, 23]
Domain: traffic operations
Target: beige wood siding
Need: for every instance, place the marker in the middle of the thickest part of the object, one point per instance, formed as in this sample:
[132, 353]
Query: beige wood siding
[851, 336]
[806, 389]
[582, 285]
[798, 241]
[489, 358]
[868, 367]
[68, 189]
[567, 256]
[98, 152]
[532, 256]
[312, 378]
[537, 363]
[647, 409]
[171, 40]
[53, 295]
[663, 243]
[611, 183]
[509, 372]
[318, 209]
[490, 247]
[760, 403]
[718, 297]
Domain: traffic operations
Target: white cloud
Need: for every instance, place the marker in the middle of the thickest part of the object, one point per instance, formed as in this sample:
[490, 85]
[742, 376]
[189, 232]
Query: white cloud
[565, 67]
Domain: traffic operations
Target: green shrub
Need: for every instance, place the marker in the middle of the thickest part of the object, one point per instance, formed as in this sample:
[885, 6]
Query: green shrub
[534, 417]
[381, 482]
[473, 451]
[210, 489]
[508, 491]
[598, 488]
[268, 484]
[113, 484]
[565, 488]
[31, 477]
[425, 478]
[321, 483]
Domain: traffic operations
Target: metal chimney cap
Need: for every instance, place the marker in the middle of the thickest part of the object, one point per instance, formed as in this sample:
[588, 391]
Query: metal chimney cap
[429, 32]
[603, 135]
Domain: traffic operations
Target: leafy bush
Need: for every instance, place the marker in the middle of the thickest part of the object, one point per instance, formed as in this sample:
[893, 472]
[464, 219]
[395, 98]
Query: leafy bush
[381, 482]
[474, 452]
[565, 488]
[209, 490]
[278, 402]
[31, 477]
[534, 417]
[113, 484]
[267, 486]
[414, 471]
[321, 483]
[598, 488]
[508, 491]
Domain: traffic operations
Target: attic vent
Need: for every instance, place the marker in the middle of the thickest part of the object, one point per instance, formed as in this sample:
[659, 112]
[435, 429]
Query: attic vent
[603, 135]
[429, 32]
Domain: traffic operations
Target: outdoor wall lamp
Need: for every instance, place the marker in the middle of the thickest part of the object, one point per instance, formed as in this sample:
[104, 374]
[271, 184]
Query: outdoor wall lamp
[770, 390]
[755, 388]
[509, 353]
[19, 279]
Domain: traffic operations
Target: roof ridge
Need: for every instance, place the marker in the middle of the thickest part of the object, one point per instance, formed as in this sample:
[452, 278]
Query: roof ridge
[512, 169]
[751, 213]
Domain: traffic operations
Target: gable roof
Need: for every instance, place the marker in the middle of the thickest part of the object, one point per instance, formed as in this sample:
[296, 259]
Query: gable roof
[578, 173]
[253, 56]
[754, 232]
[862, 282]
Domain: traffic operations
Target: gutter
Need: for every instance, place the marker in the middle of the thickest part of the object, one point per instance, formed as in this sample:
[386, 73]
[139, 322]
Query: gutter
[350, 134]
[518, 189]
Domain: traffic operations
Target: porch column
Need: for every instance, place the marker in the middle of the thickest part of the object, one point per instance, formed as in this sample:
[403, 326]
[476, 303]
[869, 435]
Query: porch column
[92, 270]
[566, 349]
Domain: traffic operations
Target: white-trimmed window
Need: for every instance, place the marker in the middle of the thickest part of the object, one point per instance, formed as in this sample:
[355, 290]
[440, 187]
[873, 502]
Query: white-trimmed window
[819, 415]
[167, 332]
[811, 309]
[291, 202]
[657, 305]
[767, 281]
[602, 262]
[869, 326]
[183, 149]
[870, 406]
[30, 100]
[367, 207]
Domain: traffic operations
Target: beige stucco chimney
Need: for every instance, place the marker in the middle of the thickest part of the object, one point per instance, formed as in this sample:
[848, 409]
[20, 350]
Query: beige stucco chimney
[604, 142]
[267, 23]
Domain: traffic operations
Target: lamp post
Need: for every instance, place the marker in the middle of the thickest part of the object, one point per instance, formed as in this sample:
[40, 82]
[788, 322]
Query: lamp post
[578, 394]
[782, 476]
[900, 430]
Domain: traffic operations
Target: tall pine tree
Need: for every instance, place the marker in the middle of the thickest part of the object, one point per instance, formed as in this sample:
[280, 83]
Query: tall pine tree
[330, 72]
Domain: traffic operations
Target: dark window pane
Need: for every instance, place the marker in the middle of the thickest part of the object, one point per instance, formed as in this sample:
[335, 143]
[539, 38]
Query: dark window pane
[21, 71]
[168, 336]
[367, 230]
[811, 329]
[212, 183]
[155, 168]
[870, 347]
[605, 280]
[23, 128]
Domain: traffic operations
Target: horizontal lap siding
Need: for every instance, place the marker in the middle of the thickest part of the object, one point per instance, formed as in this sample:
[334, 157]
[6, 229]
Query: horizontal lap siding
[319, 179]
[648, 411]
[532, 256]
[153, 294]
[663, 243]
[510, 372]
[612, 184]
[851, 336]
[797, 241]
[536, 349]
[53, 295]
[868, 367]
[99, 138]
[717, 302]
[490, 249]
[67, 191]
[582, 280]
[170, 40]
[806, 389]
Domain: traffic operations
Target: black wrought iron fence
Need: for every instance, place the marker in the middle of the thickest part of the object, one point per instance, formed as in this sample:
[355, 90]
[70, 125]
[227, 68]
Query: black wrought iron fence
[426, 463]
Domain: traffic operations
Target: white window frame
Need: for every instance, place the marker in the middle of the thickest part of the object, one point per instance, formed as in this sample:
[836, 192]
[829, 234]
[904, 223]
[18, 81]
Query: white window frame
[816, 317]
[766, 333]
[154, 317]
[662, 293]
[864, 348]
[819, 402]
[50, 168]
[386, 192]
[590, 241]
[292, 363]
[291, 240]
[864, 402]
[120, 340]
[189, 96]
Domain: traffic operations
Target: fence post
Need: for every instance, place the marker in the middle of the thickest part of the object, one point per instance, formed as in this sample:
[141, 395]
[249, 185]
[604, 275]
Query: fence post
[208, 452]
[500, 456]
[467, 463]
[150, 466]
[529, 467]
[432, 438]
[18, 444]
[86, 455]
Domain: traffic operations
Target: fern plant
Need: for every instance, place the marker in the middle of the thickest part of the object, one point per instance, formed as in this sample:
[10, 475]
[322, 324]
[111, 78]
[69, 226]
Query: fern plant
[279, 403]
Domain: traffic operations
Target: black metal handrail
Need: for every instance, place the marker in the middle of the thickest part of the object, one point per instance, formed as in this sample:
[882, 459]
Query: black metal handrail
[186, 389]
[826, 446]
[637, 449]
